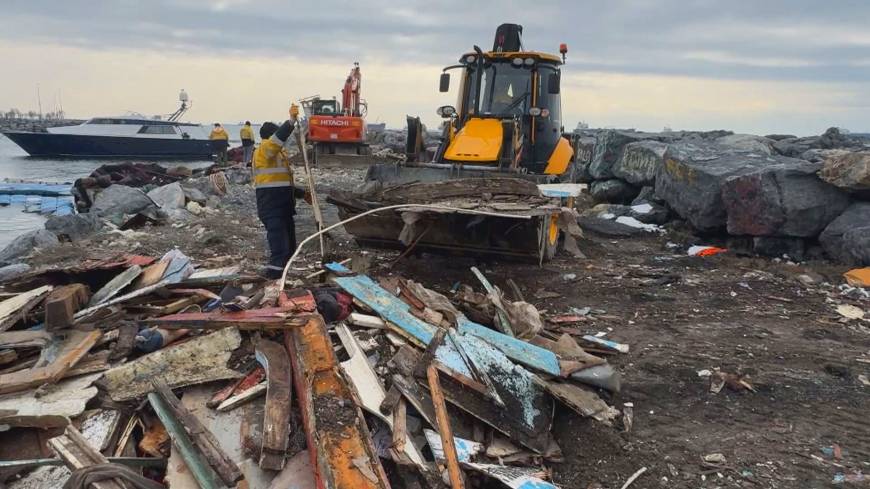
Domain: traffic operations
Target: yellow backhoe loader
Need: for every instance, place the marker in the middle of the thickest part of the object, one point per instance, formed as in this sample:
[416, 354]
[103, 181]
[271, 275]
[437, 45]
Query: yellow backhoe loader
[502, 149]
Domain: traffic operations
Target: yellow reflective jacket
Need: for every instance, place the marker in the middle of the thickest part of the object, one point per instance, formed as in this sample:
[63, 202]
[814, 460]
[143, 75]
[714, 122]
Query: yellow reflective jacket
[219, 133]
[271, 166]
[246, 133]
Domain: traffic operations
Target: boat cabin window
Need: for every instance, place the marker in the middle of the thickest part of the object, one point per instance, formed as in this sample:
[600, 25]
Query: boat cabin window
[104, 120]
[163, 129]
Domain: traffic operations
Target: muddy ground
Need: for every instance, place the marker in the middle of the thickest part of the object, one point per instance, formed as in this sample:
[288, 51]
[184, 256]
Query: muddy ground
[679, 314]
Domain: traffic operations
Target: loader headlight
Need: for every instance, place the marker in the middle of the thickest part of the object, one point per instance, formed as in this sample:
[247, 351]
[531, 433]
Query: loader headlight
[545, 112]
[529, 61]
[445, 111]
[517, 62]
[470, 59]
[535, 111]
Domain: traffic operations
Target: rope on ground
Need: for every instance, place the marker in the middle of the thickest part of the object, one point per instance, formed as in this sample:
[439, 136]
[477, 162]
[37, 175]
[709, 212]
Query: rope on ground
[634, 477]
[283, 281]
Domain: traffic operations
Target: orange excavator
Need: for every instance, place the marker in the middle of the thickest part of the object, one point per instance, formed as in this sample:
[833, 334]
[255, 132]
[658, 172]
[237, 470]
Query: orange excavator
[338, 128]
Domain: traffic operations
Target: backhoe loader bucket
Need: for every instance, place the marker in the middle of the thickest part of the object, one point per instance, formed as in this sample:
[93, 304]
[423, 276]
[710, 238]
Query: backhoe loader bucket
[485, 217]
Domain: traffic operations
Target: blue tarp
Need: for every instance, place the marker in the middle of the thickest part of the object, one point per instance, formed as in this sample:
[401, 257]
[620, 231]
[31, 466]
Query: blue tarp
[46, 189]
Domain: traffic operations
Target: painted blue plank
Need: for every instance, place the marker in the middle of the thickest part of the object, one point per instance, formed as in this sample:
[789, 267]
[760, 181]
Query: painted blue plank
[397, 312]
[5, 199]
[518, 350]
[47, 189]
[18, 198]
[47, 205]
[32, 203]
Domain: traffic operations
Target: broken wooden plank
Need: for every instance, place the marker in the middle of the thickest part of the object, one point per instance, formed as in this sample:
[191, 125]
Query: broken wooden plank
[126, 340]
[368, 388]
[253, 378]
[8, 356]
[76, 346]
[465, 449]
[67, 398]
[85, 313]
[608, 344]
[256, 319]
[24, 339]
[342, 453]
[205, 476]
[582, 400]
[14, 308]
[365, 321]
[398, 313]
[501, 317]
[276, 425]
[118, 283]
[227, 428]
[62, 303]
[205, 442]
[198, 360]
[151, 274]
[237, 400]
[77, 453]
[444, 429]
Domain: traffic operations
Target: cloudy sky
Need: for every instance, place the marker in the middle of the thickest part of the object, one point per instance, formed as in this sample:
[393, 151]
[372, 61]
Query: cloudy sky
[786, 66]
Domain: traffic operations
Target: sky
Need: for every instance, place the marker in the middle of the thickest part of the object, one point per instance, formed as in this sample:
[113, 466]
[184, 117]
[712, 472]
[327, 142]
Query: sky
[769, 66]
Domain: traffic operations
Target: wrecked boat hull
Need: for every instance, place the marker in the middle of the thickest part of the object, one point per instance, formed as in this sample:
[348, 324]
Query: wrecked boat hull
[520, 238]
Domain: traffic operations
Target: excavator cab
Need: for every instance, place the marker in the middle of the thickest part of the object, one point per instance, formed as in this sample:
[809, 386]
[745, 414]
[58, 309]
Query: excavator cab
[324, 107]
[507, 119]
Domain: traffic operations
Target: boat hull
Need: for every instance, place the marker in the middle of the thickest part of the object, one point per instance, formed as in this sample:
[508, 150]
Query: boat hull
[87, 146]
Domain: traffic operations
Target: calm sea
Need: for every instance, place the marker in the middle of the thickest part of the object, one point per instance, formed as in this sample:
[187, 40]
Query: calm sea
[16, 165]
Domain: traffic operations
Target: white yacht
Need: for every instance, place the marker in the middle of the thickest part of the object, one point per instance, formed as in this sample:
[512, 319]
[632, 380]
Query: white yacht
[131, 136]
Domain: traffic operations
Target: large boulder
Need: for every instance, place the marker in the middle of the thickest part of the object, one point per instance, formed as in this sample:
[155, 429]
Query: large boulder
[613, 190]
[15, 270]
[845, 238]
[584, 150]
[609, 146]
[747, 142]
[74, 227]
[640, 162]
[691, 179]
[168, 197]
[27, 242]
[849, 171]
[785, 198]
[120, 200]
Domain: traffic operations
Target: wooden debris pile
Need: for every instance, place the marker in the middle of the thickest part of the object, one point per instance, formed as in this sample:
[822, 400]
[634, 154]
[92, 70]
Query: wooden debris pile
[142, 372]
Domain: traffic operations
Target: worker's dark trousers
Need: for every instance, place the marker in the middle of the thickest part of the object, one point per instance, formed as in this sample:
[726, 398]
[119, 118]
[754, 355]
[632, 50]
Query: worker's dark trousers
[276, 208]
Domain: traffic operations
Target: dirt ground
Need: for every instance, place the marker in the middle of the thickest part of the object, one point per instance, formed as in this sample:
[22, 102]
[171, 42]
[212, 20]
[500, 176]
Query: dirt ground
[679, 314]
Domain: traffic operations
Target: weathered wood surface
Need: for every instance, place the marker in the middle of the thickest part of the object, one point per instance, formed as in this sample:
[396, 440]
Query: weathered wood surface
[276, 425]
[198, 360]
[73, 349]
[207, 444]
[14, 308]
[342, 454]
[62, 303]
[76, 453]
[118, 283]
[444, 429]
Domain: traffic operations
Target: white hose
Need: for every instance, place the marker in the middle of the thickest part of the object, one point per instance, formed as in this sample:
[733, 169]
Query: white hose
[386, 208]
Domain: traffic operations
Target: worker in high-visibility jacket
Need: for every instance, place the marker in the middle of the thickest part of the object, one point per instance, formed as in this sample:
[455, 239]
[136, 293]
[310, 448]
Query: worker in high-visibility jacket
[220, 141]
[276, 195]
[247, 136]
